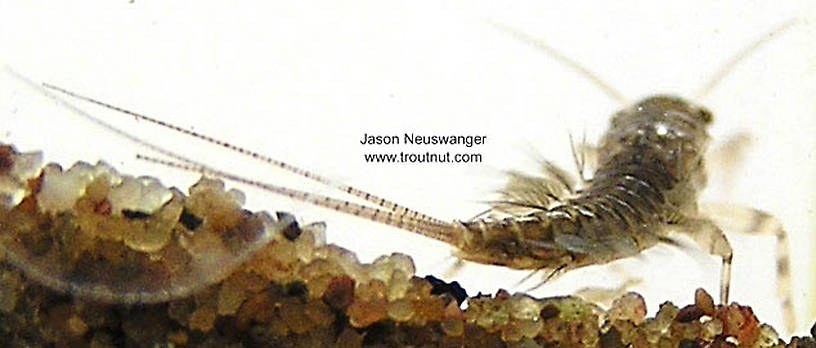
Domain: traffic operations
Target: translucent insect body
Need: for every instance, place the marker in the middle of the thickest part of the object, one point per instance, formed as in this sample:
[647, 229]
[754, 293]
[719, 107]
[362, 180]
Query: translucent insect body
[650, 171]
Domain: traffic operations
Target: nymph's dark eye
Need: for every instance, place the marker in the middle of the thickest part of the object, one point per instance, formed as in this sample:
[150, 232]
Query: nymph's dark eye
[705, 115]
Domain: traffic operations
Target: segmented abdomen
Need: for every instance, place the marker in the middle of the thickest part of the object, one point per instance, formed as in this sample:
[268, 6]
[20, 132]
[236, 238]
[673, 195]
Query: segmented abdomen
[622, 212]
[649, 175]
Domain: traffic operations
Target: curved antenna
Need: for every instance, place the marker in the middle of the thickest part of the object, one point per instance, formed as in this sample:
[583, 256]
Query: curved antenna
[572, 64]
[728, 67]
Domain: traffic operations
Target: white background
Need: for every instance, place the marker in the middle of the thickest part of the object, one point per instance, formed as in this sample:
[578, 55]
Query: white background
[303, 83]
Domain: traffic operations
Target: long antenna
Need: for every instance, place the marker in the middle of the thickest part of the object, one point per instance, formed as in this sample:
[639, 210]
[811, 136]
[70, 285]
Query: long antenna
[723, 71]
[398, 209]
[552, 52]
[728, 67]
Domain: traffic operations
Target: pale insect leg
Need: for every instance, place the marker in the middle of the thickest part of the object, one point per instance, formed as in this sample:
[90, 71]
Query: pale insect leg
[550, 275]
[725, 159]
[526, 278]
[709, 237]
[734, 218]
[743, 219]
[704, 232]
[607, 295]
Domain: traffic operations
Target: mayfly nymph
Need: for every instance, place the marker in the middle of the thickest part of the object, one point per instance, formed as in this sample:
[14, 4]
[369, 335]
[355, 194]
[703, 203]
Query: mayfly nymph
[649, 175]
[644, 187]
[650, 171]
